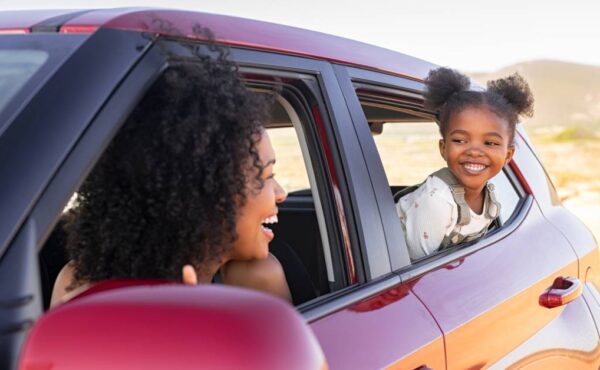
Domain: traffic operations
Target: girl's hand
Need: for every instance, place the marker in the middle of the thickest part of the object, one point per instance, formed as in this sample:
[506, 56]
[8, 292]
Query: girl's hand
[188, 275]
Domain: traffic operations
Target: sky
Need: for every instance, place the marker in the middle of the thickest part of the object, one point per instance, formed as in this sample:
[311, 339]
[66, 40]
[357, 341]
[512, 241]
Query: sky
[471, 35]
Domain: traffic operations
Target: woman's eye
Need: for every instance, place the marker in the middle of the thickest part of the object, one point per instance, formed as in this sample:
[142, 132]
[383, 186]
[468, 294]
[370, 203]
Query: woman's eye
[271, 176]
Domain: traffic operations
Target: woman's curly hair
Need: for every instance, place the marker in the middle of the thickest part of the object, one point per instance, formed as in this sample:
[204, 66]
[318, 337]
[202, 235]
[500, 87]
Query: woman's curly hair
[166, 191]
[447, 92]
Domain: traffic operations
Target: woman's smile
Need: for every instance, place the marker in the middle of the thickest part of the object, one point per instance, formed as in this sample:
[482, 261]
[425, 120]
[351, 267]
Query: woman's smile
[266, 230]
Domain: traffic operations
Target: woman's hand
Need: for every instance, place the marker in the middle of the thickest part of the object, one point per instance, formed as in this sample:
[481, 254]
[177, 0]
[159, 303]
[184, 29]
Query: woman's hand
[188, 275]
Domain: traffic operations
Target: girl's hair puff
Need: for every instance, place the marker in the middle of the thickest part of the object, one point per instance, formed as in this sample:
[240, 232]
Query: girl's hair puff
[447, 92]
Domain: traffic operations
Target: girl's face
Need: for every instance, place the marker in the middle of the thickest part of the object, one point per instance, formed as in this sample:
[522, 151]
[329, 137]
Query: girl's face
[260, 208]
[476, 146]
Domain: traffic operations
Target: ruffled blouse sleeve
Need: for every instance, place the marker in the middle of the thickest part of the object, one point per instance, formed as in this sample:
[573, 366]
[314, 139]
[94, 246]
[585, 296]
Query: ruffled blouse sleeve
[427, 215]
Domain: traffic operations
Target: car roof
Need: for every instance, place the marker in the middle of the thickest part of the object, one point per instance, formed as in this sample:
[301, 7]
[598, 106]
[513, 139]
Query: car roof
[229, 30]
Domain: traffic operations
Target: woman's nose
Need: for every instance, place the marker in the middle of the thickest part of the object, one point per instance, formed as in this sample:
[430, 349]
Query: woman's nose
[280, 193]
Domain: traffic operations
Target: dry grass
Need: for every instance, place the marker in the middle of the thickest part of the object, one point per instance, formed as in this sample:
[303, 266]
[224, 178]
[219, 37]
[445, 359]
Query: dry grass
[574, 168]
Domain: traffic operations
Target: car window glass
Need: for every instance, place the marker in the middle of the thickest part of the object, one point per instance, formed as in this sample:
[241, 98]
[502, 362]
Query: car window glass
[409, 151]
[16, 68]
[291, 170]
[302, 239]
[507, 194]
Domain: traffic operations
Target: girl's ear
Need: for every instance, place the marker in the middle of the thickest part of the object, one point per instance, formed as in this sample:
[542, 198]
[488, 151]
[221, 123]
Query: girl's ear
[509, 153]
[443, 149]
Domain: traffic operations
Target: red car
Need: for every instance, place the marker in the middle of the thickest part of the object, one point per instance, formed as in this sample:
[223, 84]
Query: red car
[350, 130]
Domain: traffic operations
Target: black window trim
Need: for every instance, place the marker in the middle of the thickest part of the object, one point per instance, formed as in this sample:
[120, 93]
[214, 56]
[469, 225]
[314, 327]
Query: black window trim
[298, 97]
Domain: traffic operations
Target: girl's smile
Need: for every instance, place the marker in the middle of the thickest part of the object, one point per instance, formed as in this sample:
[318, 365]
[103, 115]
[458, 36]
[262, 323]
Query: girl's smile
[476, 147]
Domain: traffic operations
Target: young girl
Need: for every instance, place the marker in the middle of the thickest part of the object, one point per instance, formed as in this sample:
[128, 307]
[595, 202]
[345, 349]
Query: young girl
[457, 204]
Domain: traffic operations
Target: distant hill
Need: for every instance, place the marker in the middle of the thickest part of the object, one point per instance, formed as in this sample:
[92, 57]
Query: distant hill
[566, 94]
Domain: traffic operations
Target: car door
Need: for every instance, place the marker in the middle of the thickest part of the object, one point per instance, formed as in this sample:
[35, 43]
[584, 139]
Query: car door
[368, 318]
[35, 138]
[485, 296]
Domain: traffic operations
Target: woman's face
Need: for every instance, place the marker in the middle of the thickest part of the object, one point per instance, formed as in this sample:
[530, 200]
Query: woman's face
[260, 209]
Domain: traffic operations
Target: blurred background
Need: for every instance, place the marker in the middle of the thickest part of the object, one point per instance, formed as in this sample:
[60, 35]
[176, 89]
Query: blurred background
[555, 45]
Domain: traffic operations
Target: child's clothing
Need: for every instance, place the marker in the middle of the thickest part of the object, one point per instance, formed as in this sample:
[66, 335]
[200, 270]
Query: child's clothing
[436, 215]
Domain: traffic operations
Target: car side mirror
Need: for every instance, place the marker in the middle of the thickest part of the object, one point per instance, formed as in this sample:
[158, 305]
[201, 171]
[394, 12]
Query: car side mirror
[172, 326]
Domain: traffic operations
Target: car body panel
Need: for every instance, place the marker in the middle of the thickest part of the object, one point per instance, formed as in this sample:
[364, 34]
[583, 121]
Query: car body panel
[391, 330]
[493, 294]
[16, 22]
[236, 32]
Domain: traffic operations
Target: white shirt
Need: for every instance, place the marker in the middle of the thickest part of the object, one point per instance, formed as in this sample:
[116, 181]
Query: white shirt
[429, 213]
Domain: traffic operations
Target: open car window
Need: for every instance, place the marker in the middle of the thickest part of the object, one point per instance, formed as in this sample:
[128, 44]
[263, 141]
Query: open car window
[305, 244]
[407, 140]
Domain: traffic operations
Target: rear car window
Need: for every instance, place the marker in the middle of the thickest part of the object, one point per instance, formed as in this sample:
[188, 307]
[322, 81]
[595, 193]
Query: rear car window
[26, 62]
[16, 68]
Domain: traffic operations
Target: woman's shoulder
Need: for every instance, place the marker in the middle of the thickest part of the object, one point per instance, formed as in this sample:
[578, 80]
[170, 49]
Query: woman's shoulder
[266, 275]
[64, 288]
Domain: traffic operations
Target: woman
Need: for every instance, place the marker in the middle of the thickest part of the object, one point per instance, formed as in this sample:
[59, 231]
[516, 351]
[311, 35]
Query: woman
[182, 191]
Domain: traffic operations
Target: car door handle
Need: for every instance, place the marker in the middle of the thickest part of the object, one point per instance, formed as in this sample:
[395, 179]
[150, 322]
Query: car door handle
[562, 291]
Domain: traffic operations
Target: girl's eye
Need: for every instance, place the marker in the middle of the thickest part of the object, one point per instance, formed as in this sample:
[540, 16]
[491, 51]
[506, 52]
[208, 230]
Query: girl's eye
[458, 141]
[491, 143]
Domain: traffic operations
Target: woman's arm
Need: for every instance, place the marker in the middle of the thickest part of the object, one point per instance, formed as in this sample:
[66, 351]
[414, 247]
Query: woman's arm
[266, 275]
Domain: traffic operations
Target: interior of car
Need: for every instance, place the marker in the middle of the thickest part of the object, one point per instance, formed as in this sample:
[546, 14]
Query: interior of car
[298, 245]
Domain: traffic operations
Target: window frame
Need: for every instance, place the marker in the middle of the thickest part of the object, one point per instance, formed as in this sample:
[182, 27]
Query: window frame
[342, 162]
[354, 79]
[295, 90]
[365, 244]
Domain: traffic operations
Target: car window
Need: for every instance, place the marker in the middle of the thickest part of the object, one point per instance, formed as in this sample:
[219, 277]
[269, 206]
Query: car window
[16, 68]
[408, 150]
[291, 173]
[508, 195]
[407, 141]
[302, 241]
[26, 62]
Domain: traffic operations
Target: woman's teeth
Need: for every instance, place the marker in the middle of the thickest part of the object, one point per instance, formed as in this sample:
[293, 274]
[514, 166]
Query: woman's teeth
[269, 220]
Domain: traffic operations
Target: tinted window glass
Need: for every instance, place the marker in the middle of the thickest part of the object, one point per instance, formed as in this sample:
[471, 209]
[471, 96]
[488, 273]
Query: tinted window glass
[26, 62]
[507, 194]
[16, 67]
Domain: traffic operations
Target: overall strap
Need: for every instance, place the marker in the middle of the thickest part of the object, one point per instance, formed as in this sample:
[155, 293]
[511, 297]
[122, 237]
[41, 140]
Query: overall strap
[493, 207]
[456, 237]
[458, 193]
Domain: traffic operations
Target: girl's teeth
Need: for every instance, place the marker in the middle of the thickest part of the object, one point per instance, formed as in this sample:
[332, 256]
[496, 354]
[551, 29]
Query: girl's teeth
[474, 167]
